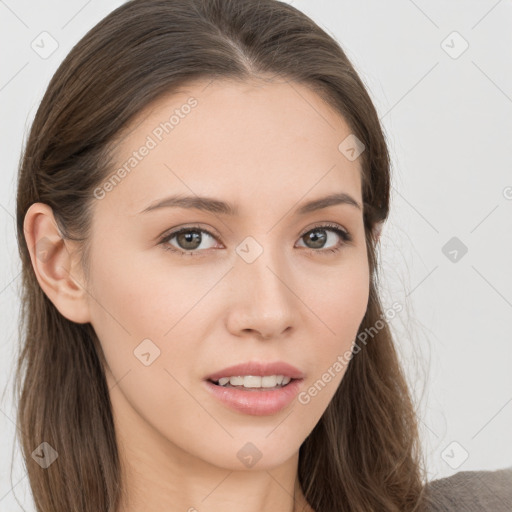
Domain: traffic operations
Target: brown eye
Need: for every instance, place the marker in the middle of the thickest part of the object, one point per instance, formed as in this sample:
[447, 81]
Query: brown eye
[317, 237]
[187, 239]
[320, 236]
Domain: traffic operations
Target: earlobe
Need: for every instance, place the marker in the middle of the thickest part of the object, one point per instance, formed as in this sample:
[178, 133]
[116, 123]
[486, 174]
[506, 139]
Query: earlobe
[55, 267]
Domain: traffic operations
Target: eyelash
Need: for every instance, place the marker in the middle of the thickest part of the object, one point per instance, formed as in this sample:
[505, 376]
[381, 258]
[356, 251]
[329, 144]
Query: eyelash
[344, 235]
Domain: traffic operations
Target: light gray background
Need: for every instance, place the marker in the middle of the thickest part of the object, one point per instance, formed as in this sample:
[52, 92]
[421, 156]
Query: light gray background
[448, 120]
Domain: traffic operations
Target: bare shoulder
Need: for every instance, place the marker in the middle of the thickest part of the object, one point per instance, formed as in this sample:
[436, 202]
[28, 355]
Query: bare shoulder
[472, 491]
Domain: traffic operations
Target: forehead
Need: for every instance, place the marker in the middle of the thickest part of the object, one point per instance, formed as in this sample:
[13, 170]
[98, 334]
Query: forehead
[241, 139]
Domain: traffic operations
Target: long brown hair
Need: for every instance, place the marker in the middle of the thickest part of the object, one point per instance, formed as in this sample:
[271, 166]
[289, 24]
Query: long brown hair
[364, 453]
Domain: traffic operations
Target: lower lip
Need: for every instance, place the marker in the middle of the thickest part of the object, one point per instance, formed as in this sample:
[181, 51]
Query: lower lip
[256, 403]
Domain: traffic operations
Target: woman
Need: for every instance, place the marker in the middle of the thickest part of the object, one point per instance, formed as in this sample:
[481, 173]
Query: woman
[198, 212]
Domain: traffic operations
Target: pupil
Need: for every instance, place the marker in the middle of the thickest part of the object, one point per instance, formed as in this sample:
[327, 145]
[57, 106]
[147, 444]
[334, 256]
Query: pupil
[317, 237]
[187, 237]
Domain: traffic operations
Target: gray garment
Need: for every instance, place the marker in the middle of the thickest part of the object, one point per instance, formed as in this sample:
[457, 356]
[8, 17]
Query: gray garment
[472, 491]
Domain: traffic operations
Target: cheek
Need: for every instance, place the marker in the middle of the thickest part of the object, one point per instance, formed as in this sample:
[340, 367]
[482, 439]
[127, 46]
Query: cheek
[135, 298]
[340, 305]
[339, 298]
[148, 349]
[148, 314]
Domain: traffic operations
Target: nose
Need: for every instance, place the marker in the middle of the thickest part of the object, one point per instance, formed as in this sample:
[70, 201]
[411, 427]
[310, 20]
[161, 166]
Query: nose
[263, 301]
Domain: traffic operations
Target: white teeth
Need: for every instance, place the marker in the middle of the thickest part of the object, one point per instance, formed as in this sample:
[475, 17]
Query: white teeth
[255, 381]
[252, 381]
[269, 381]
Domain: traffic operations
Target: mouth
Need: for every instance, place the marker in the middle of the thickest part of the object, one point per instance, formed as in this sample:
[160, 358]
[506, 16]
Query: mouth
[255, 400]
[256, 387]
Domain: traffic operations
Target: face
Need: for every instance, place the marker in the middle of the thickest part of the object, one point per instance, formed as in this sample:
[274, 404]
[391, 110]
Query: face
[264, 279]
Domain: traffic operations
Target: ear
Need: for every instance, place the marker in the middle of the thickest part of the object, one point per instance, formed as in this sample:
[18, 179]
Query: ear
[57, 270]
[377, 230]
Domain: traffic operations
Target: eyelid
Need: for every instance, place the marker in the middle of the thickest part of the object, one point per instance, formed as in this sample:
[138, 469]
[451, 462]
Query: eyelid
[325, 224]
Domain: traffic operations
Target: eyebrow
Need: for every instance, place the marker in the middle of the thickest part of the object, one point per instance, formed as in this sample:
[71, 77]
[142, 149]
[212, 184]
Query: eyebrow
[212, 205]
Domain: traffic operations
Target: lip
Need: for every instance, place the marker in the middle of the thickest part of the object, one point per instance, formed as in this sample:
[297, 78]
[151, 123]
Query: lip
[258, 368]
[255, 402]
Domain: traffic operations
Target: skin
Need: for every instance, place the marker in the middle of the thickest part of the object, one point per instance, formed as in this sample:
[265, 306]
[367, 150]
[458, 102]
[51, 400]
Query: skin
[268, 147]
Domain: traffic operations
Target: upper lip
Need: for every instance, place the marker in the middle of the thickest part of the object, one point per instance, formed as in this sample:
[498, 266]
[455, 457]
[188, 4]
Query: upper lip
[258, 368]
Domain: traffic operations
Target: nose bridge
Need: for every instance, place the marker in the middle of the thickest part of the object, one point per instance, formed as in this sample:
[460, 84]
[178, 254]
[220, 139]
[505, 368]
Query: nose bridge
[263, 267]
[264, 301]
